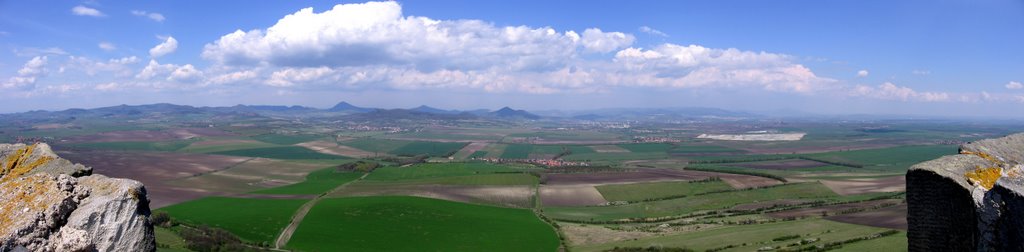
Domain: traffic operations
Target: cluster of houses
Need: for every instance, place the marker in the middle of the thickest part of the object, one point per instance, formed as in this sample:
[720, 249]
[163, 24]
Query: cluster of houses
[27, 140]
[388, 129]
[649, 139]
[535, 161]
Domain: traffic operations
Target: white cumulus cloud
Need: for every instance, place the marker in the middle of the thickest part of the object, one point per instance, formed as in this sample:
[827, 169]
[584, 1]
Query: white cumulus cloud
[232, 77]
[28, 74]
[862, 73]
[151, 15]
[1014, 85]
[186, 73]
[168, 46]
[890, 91]
[107, 46]
[377, 33]
[652, 31]
[118, 66]
[597, 41]
[86, 11]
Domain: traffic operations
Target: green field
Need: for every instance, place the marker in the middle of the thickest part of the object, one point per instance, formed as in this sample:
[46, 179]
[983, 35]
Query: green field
[286, 139]
[433, 149]
[895, 158]
[754, 236]
[477, 154]
[316, 182]
[614, 157]
[897, 242]
[400, 223]
[375, 144]
[692, 204]
[523, 151]
[517, 151]
[647, 147]
[196, 148]
[434, 170]
[282, 152]
[254, 220]
[655, 190]
[135, 146]
[479, 179]
[693, 149]
[884, 159]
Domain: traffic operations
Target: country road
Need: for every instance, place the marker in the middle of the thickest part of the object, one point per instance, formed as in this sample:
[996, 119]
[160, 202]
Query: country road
[300, 214]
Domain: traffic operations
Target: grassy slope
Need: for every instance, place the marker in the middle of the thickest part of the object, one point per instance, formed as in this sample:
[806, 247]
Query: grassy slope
[255, 220]
[398, 223]
[316, 182]
[755, 236]
[897, 242]
[172, 240]
[641, 191]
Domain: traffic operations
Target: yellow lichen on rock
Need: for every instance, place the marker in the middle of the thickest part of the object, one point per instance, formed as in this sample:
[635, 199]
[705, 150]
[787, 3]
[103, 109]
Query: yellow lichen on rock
[18, 164]
[25, 196]
[986, 156]
[984, 177]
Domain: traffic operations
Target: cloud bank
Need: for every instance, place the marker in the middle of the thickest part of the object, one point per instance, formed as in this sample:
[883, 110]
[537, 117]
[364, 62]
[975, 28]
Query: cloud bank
[374, 44]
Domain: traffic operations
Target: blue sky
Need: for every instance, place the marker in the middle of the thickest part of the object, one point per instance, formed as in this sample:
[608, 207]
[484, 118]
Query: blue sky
[942, 58]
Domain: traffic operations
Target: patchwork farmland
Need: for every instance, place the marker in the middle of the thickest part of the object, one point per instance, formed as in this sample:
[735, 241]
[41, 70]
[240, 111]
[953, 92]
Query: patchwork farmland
[445, 189]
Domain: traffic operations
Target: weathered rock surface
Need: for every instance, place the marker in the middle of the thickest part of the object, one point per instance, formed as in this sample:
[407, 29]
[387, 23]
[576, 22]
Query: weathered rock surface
[50, 204]
[971, 201]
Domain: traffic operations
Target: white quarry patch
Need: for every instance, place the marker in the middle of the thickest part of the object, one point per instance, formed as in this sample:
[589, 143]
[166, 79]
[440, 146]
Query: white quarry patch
[755, 137]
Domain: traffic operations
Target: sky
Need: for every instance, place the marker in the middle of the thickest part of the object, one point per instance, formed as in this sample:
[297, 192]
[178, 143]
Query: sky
[931, 58]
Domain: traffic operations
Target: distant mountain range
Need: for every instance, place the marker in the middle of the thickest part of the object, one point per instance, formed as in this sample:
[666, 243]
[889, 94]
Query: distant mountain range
[344, 109]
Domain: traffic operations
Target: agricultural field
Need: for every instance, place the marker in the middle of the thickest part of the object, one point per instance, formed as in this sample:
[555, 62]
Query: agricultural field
[215, 145]
[657, 190]
[133, 146]
[375, 145]
[286, 139]
[251, 177]
[253, 220]
[754, 237]
[535, 151]
[434, 149]
[688, 205]
[647, 147]
[398, 223]
[316, 182]
[282, 152]
[429, 170]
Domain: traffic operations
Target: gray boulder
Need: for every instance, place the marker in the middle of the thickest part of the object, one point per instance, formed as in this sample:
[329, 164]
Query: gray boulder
[970, 201]
[50, 204]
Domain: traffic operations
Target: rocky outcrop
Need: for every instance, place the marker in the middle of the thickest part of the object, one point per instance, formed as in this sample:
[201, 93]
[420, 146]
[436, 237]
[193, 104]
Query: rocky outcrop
[50, 204]
[971, 201]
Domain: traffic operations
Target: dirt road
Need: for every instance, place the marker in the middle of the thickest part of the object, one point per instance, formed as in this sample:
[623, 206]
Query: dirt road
[286, 234]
